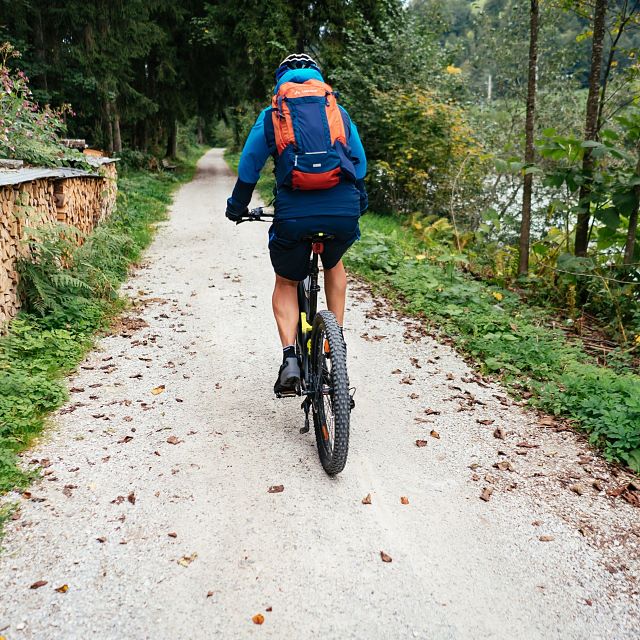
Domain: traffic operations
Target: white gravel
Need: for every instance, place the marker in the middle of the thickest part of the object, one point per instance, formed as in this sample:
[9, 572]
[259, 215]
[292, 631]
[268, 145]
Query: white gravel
[308, 558]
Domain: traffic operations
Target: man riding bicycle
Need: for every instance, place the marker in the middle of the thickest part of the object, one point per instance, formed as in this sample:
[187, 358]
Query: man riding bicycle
[320, 167]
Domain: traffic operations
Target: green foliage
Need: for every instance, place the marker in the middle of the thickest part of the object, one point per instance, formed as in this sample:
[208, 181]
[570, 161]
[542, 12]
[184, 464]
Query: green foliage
[505, 337]
[70, 293]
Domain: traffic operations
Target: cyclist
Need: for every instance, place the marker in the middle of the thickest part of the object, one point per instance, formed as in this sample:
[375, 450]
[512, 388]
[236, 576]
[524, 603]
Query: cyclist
[320, 167]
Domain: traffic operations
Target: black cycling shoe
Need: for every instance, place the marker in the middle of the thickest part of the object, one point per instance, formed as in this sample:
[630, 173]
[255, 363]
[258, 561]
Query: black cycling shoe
[288, 381]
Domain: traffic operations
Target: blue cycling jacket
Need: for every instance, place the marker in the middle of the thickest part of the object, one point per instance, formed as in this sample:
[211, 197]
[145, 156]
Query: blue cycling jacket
[344, 199]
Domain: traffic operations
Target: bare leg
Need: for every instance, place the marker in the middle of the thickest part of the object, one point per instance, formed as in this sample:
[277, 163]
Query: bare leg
[335, 288]
[285, 309]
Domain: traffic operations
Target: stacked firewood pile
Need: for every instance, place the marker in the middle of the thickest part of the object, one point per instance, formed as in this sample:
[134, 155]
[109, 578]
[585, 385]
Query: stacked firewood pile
[79, 199]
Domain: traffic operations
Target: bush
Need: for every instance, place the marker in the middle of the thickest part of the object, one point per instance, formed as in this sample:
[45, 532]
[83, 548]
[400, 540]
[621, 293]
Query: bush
[27, 131]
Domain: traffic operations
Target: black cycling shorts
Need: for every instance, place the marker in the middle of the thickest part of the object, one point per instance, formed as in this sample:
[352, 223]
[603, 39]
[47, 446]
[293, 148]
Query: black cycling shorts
[290, 253]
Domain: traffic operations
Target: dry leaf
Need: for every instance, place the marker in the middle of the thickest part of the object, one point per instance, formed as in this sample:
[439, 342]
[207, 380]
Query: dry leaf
[546, 538]
[158, 390]
[385, 557]
[414, 396]
[404, 500]
[172, 534]
[276, 488]
[38, 584]
[432, 412]
[504, 465]
[396, 371]
[269, 609]
[63, 589]
[101, 539]
[258, 618]
[367, 499]
[485, 422]
[185, 561]
[125, 440]
[499, 434]
[209, 594]
[486, 494]
[173, 440]
[132, 498]
[434, 434]
[421, 443]
[577, 488]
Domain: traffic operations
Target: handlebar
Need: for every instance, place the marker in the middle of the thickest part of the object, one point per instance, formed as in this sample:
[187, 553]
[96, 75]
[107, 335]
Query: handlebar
[257, 215]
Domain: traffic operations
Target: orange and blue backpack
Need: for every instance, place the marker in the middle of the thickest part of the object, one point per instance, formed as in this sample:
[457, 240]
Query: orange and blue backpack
[308, 136]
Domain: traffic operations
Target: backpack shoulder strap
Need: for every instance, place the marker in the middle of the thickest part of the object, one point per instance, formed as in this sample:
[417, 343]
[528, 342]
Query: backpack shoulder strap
[269, 132]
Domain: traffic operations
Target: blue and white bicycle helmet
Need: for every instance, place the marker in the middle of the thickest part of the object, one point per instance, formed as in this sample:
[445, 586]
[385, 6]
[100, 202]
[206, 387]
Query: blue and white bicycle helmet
[296, 61]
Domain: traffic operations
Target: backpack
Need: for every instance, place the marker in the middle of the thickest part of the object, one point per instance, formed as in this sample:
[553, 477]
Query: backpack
[307, 134]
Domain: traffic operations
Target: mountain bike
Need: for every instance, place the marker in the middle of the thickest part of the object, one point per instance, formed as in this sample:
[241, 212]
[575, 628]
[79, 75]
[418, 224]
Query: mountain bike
[321, 351]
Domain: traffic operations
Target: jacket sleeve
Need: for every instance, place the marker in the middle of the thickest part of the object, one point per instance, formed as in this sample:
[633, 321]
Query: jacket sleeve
[254, 155]
[358, 154]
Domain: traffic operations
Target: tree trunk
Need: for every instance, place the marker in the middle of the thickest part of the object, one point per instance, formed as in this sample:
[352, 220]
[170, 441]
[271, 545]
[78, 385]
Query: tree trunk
[200, 130]
[591, 128]
[529, 152]
[117, 139]
[40, 50]
[172, 142]
[630, 244]
[108, 127]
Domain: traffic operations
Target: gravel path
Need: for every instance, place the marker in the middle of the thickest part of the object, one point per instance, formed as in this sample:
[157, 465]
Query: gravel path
[154, 508]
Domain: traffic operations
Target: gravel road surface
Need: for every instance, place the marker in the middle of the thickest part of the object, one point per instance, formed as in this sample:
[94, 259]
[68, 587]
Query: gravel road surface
[154, 507]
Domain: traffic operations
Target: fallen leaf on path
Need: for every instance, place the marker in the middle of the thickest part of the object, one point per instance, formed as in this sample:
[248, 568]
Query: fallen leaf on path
[415, 363]
[577, 489]
[101, 539]
[404, 500]
[158, 390]
[395, 371]
[38, 584]
[421, 443]
[118, 500]
[486, 494]
[172, 534]
[432, 412]
[385, 557]
[546, 538]
[407, 380]
[68, 489]
[414, 396]
[276, 488]
[173, 440]
[76, 390]
[209, 594]
[63, 588]
[485, 422]
[504, 465]
[500, 434]
[269, 609]
[132, 498]
[367, 499]
[258, 619]
[527, 445]
[185, 561]
[434, 434]
[125, 440]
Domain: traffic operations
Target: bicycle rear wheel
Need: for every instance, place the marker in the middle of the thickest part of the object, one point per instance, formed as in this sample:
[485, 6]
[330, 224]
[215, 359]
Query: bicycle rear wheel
[331, 403]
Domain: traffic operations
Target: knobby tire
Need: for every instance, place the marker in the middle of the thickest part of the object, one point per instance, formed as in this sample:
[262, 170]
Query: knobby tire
[330, 410]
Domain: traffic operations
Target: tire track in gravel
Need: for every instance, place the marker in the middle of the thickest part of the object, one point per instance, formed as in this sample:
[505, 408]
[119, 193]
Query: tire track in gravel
[308, 558]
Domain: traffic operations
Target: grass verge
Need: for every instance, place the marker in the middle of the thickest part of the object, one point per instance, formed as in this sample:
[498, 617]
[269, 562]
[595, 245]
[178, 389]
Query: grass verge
[504, 337]
[70, 294]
